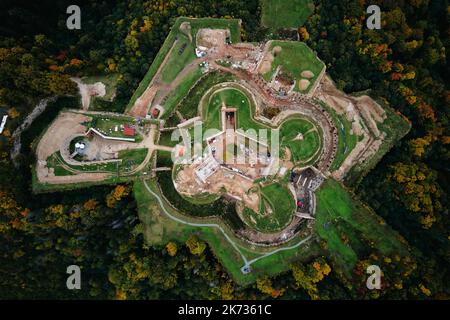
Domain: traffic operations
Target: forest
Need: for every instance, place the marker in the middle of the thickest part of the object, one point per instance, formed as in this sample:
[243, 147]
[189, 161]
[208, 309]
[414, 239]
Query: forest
[404, 65]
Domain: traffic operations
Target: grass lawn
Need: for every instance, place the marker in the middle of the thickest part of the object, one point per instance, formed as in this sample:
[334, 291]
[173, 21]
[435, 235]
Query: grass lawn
[174, 98]
[182, 53]
[159, 229]
[295, 57]
[278, 14]
[279, 201]
[189, 105]
[56, 162]
[131, 158]
[302, 149]
[107, 125]
[346, 224]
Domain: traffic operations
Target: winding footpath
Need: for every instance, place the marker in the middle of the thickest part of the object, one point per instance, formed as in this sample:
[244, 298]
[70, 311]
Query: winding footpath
[247, 263]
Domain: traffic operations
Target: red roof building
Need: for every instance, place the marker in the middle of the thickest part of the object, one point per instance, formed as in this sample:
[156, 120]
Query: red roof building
[128, 131]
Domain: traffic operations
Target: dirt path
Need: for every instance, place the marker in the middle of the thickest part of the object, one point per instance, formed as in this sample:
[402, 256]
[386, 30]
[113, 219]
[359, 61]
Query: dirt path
[37, 111]
[89, 90]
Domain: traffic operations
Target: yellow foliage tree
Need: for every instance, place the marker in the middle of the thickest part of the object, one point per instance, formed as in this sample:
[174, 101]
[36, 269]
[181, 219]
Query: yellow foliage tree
[195, 246]
[171, 248]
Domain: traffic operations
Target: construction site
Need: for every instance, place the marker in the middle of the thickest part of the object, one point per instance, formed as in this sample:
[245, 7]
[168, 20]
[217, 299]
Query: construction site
[280, 128]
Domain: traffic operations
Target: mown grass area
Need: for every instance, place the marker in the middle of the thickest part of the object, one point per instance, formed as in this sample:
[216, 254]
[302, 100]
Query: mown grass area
[234, 98]
[107, 125]
[282, 203]
[295, 57]
[350, 228]
[196, 24]
[159, 229]
[189, 105]
[302, 147]
[182, 53]
[275, 210]
[174, 98]
[131, 158]
[278, 14]
[56, 161]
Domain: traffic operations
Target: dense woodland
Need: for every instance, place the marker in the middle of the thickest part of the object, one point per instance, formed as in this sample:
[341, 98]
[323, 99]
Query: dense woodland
[404, 64]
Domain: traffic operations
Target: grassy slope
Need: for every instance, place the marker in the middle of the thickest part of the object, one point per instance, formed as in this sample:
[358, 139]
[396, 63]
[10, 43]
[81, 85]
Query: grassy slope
[232, 98]
[349, 227]
[278, 14]
[189, 105]
[159, 229]
[282, 204]
[174, 98]
[178, 61]
[301, 149]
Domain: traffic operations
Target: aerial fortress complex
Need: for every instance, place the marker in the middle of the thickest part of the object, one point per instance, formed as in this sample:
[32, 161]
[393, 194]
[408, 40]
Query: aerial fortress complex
[227, 139]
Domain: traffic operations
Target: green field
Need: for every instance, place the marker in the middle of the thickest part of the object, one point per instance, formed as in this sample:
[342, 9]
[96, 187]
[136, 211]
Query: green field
[349, 227]
[231, 97]
[107, 125]
[174, 98]
[276, 209]
[182, 53]
[295, 57]
[131, 159]
[189, 105]
[278, 14]
[310, 143]
[159, 229]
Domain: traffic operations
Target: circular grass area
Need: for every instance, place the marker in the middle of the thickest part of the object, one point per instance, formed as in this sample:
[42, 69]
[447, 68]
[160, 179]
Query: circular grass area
[276, 209]
[302, 138]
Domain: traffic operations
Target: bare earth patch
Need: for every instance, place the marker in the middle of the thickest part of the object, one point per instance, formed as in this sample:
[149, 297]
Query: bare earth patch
[303, 84]
[185, 28]
[276, 50]
[212, 38]
[307, 74]
[87, 91]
